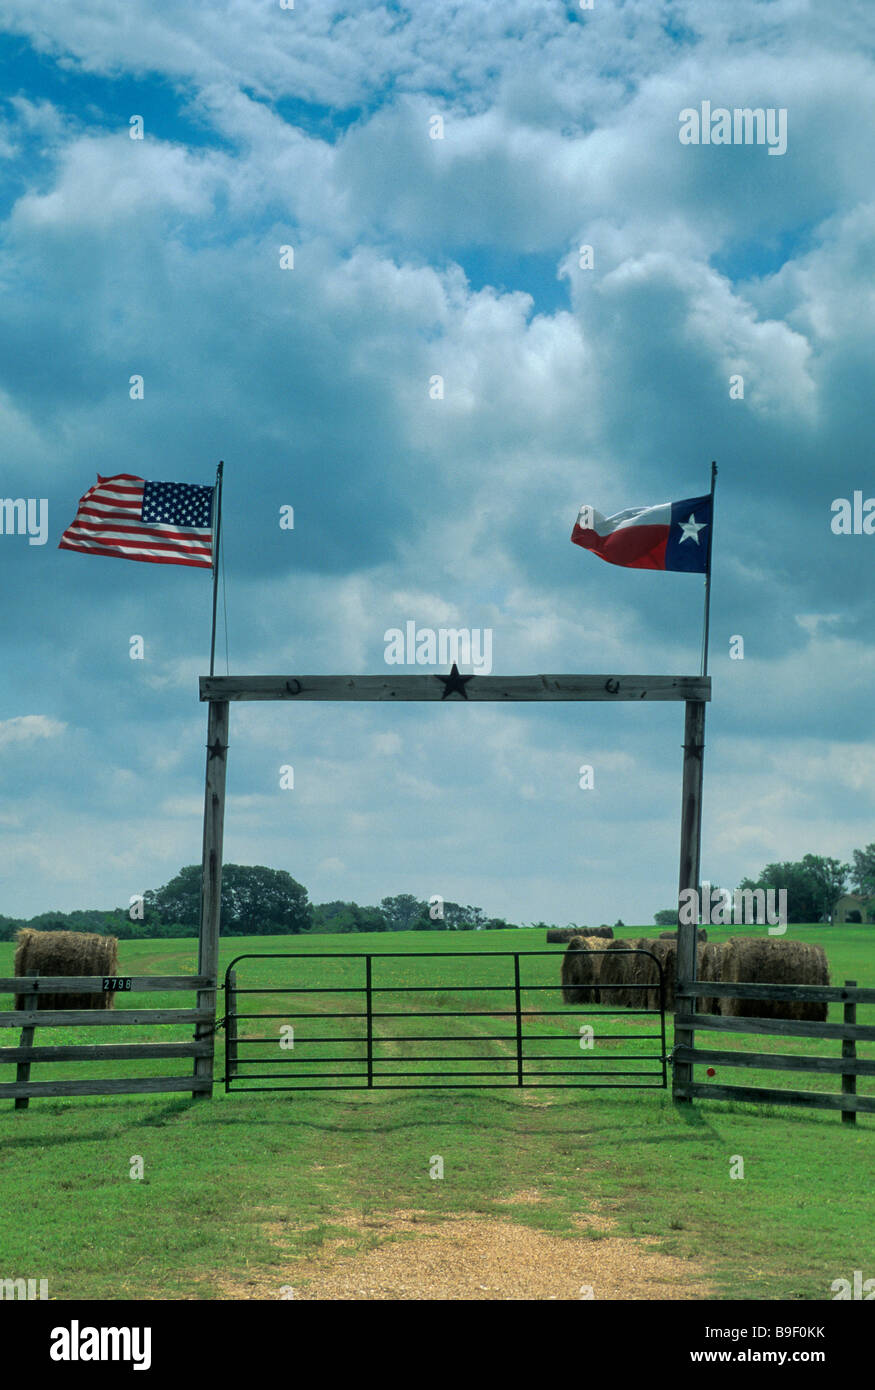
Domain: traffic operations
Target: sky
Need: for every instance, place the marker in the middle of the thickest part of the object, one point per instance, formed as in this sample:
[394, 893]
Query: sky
[436, 170]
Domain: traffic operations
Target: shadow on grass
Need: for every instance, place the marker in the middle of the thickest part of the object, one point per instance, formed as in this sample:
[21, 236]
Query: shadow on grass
[155, 1120]
[381, 1113]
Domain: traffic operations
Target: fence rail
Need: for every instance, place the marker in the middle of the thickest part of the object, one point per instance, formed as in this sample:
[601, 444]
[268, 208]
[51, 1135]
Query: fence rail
[31, 987]
[784, 1027]
[94, 984]
[817, 994]
[849, 1033]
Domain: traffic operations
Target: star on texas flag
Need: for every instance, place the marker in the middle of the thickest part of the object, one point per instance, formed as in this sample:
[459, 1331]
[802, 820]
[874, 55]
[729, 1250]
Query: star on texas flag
[670, 536]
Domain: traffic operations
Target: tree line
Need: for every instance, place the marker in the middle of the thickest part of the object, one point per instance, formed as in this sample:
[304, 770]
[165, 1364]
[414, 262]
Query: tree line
[813, 885]
[258, 901]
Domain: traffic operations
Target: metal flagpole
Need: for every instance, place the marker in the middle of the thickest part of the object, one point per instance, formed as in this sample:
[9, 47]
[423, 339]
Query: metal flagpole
[691, 848]
[216, 542]
[704, 908]
[708, 577]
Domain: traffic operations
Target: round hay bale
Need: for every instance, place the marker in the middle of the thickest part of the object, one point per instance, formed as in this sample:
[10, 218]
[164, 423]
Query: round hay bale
[65, 953]
[701, 935]
[581, 970]
[566, 933]
[709, 967]
[616, 969]
[642, 970]
[759, 960]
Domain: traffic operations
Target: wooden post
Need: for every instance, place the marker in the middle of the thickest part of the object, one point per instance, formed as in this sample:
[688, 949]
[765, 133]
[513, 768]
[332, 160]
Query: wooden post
[22, 1070]
[231, 1023]
[849, 1049]
[691, 839]
[211, 894]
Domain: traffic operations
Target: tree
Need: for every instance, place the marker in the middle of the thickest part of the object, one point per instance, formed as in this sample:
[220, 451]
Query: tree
[179, 900]
[863, 871]
[831, 878]
[403, 911]
[813, 884]
[370, 919]
[347, 917]
[457, 918]
[261, 901]
[428, 923]
[256, 901]
[666, 917]
[8, 927]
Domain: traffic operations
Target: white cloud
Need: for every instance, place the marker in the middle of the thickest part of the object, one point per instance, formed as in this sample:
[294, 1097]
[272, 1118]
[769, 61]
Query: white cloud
[121, 255]
[27, 728]
[111, 179]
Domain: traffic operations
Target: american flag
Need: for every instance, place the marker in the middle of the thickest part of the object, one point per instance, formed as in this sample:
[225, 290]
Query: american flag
[161, 523]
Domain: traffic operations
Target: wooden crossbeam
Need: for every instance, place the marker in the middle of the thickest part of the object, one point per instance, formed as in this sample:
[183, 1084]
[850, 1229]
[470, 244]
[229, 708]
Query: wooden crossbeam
[93, 984]
[104, 1052]
[780, 1027]
[776, 1061]
[476, 689]
[130, 1086]
[760, 1095]
[813, 994]
[94, 1018]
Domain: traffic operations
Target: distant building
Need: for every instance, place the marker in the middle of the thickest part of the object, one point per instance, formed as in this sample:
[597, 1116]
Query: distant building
[854, 907]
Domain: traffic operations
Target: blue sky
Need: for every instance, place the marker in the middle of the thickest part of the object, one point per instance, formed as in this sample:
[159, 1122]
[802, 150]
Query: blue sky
[417, 257]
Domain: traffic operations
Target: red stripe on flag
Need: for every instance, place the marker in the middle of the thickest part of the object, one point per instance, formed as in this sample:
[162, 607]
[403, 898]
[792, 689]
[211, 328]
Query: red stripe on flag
[120, 555]
[635, 547]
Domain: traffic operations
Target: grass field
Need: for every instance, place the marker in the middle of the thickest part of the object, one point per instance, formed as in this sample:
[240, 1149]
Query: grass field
[248, 1188]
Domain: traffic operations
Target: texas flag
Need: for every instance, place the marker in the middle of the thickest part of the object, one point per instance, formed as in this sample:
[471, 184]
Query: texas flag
[671, 536]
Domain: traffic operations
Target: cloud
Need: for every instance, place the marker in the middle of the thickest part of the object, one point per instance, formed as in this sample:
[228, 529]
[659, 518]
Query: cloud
[417, 258]
[27, 728]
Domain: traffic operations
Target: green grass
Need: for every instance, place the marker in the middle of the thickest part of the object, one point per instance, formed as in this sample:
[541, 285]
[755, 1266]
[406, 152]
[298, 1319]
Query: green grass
[221, 1175]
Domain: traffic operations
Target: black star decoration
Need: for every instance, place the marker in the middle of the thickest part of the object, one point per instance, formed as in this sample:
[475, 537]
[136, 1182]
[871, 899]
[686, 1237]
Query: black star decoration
[216, 749]
[455, 682]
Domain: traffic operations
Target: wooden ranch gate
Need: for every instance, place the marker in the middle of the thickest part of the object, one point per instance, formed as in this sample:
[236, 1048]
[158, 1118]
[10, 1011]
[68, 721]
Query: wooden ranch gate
[219, 691]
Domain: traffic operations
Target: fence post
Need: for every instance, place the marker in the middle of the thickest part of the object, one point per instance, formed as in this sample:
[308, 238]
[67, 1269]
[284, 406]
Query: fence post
[849, 1049]
[519, 1019]
[691, 835]
[231, 1027]
[211, 890]
[369, 1011]
[22, 1070]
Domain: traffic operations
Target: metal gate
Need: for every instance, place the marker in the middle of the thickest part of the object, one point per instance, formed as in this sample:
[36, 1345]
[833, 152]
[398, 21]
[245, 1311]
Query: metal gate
[499, 1006]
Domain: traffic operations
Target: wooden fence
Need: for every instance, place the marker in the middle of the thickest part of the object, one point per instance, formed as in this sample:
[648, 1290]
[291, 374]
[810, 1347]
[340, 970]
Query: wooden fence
[848, 1066]
[200, 1049]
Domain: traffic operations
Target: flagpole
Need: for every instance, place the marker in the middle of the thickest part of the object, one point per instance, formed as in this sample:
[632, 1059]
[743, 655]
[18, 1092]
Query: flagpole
[216, 543]
[708, 576]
